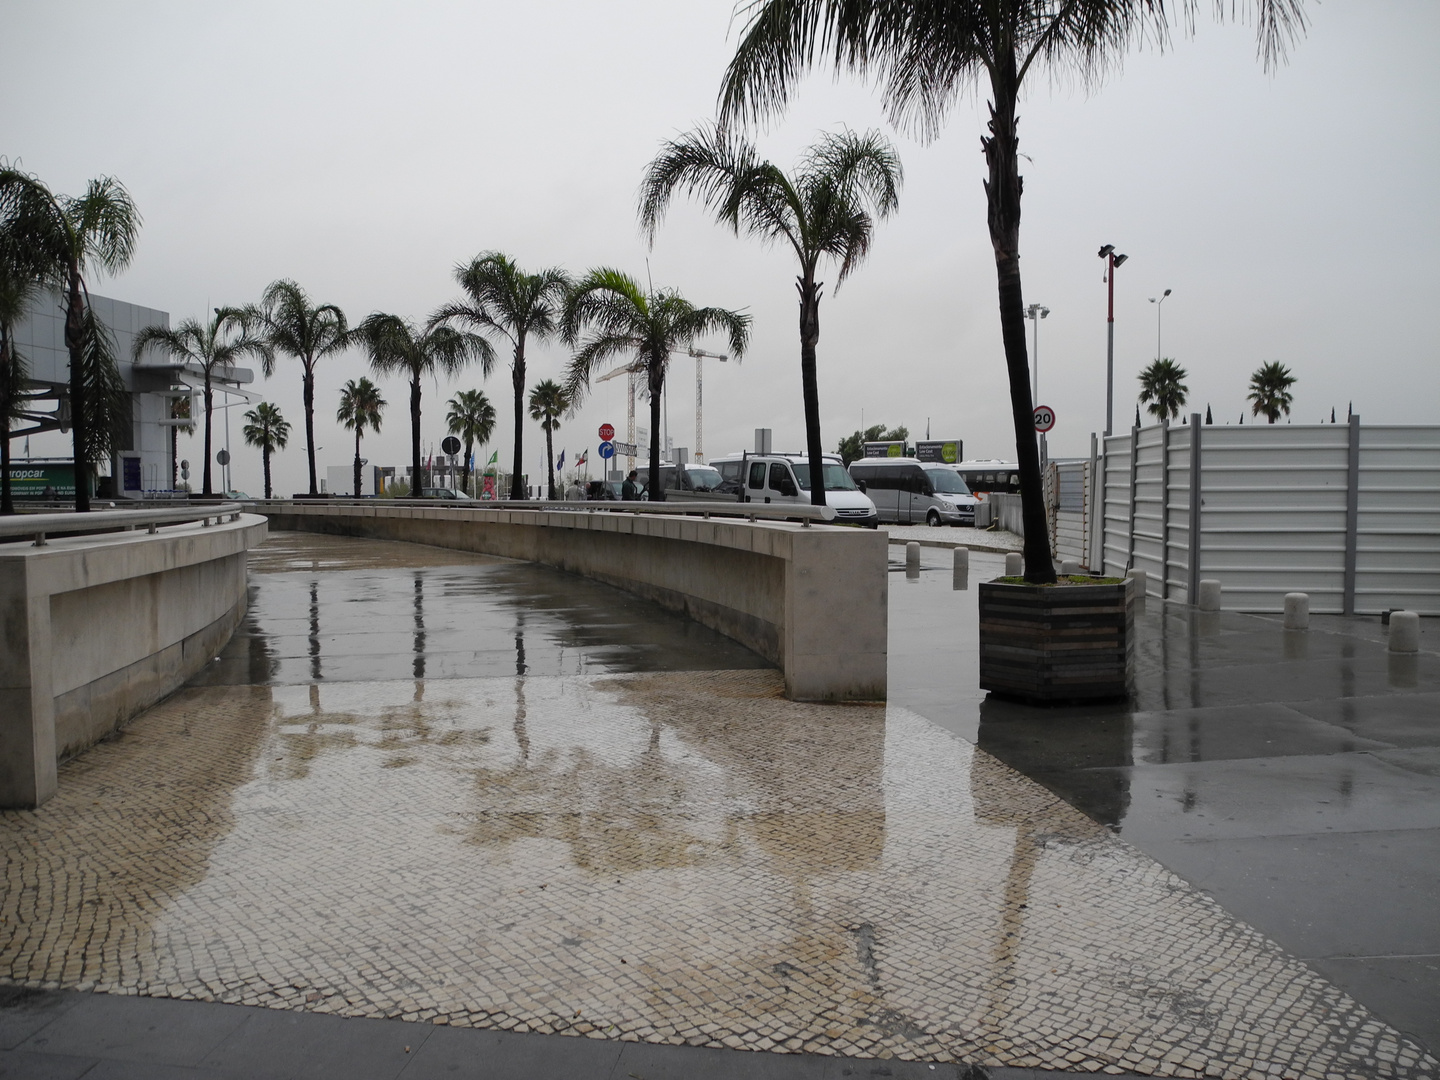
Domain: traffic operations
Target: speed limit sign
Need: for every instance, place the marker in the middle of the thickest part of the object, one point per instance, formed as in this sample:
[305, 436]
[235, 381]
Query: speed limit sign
[1044, 418]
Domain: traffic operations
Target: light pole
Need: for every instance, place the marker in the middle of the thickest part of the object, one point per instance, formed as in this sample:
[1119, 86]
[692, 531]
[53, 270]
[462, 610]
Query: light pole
[1111, 262]
[1035, 312]
[1159, 303]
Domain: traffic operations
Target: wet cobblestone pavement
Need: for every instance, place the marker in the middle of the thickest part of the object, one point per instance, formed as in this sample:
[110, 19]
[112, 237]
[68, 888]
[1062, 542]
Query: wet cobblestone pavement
[602, 850]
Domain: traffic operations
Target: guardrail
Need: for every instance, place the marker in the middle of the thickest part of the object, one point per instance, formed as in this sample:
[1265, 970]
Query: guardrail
[752, 511]
[39, 526]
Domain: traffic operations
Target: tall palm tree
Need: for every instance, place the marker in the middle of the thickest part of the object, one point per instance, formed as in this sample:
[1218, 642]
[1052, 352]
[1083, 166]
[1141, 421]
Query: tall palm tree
[267, 429]
[608, 315]
[63, 238]
[824, 208]
[397, 347]
[1162, 384]
[18, 286]
[179, 410]
[360, 407]
[548, 402]
[214, 347]
[472, 417]
[926, 55]
[502, 299]
[308, 332]
[1270, 391]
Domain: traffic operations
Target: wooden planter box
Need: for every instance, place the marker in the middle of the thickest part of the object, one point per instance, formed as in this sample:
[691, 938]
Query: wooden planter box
[1054, 643]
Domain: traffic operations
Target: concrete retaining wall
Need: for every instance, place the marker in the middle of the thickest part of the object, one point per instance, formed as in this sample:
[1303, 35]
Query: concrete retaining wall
[98, 628]
[811, 600]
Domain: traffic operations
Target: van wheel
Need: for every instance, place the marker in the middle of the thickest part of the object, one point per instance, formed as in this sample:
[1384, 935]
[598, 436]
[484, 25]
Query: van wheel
[933, 519]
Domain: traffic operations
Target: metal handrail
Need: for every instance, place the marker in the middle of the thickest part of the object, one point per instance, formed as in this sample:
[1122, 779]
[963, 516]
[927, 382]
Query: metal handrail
[752, 511]
[39, 526]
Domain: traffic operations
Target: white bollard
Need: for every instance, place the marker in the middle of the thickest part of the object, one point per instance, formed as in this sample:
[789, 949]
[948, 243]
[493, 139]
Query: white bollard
[1209, 598]
[912, 555]
[1141, 584]
[1297, 611]
[1014, 564]
[1069, 567]
[1404, 631]
[962, 558]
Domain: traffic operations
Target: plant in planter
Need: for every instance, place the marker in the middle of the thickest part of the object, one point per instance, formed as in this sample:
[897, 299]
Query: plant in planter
[1069, 641]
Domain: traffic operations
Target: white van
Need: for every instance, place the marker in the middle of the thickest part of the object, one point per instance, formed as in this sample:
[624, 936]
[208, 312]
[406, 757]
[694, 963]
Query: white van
[907, 491]
[785, 478]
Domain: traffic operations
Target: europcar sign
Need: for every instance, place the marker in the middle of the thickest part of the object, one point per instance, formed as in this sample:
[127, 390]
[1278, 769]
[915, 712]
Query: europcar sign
[29, 480]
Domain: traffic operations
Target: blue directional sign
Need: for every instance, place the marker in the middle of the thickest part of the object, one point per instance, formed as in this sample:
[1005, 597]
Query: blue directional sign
[607, 450]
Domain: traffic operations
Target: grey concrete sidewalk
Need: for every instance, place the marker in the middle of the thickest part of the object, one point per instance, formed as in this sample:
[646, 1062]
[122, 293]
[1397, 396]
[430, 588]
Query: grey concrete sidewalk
[66, 1035]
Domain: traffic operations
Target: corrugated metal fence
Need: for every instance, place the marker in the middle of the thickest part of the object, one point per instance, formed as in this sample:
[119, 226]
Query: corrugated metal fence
[1348, 514]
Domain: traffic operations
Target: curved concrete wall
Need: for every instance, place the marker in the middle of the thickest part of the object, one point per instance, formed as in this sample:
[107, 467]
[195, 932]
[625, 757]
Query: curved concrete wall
[98, 628]
[811, 600]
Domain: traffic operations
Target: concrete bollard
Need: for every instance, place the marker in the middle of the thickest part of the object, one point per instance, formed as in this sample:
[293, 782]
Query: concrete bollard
[1404, 631]
[1209, 598]
[962, 559]
[1297, 611]
[1069, 567]
[1014, 564]
[912, 556]
[1141, 584]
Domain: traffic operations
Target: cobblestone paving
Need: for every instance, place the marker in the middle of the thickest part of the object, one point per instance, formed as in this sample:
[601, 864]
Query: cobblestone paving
[682, 857]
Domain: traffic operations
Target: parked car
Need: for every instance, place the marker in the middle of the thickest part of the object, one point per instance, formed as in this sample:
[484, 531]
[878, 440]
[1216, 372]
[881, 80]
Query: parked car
[785, 478]
[445, 493]
[692, 482]
[906, 491]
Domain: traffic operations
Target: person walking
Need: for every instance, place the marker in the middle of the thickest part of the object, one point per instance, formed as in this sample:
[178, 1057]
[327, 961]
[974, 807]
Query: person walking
[630, 491]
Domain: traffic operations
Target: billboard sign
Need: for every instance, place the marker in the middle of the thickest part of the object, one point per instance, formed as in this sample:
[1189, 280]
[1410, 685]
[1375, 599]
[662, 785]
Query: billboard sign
[884, 449]
[42, 479]
[949, 452]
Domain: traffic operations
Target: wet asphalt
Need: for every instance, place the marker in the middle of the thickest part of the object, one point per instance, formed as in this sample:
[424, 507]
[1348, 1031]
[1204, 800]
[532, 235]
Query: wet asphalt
[1293, 776]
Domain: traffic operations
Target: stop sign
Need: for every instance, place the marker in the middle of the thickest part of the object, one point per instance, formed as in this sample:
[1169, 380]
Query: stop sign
[607, 432]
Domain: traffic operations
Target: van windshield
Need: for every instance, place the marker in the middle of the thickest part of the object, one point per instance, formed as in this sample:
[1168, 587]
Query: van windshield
[947, 482]
[836, 478]
[703, 479]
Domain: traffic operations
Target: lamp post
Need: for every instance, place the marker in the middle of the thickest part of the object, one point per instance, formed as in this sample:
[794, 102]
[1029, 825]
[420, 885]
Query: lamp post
[1111, 262]
[1036, 312]
[1159, 302]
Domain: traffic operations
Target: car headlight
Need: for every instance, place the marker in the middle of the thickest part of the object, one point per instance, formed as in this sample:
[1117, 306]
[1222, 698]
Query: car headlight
[946, 505]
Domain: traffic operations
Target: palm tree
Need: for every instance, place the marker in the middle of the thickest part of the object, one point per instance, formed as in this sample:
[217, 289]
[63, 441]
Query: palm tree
[267, 429]
[623, 320]
[472, 417]
[548, 402]
[307, 332]
[396, 346]
[501, 299]
[179, 410]
[1162, 384]
[1270, 391]
[17, 289]
[822, 209]
[215, 348]
[62, 238]
[926, 55]
[360, 407]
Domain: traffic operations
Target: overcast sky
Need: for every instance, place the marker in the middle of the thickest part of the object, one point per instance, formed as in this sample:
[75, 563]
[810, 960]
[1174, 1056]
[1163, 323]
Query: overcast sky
[364, 149]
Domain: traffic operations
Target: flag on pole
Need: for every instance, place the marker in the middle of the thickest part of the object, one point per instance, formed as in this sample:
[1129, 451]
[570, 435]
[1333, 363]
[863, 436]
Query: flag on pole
[584, 456]
[494, 458]
[560, 465]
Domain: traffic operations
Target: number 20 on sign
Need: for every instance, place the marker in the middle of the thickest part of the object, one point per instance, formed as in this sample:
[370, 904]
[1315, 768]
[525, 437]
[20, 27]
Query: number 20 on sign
[1044, 418]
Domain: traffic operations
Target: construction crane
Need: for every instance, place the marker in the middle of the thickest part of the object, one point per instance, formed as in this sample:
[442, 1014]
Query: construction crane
[633, 368]
[630, 370]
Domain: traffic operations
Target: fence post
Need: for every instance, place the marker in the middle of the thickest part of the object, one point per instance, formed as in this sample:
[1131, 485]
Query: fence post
[1164, 508]
[1352, 514]
[1134, 480]
[1093, 527]
[1192, 584]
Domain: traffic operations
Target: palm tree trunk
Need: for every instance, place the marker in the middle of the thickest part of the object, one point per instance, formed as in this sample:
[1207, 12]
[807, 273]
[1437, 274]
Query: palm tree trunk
[175, 454]
[657, 388]
[357, 460]
[809, 383]
[417, 482]
[79, 429]
[465, 468]
[265, 458]
[308, 383]
[517, 379]
[209, 397]
[7, 502]
[1002, 192]
[550, 462]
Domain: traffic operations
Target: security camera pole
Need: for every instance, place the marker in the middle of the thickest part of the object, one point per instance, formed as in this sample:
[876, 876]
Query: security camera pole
[1112, 261]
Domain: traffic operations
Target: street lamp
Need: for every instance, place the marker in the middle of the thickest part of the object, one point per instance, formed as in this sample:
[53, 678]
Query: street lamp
[1111, 262]
[1035, 312]
[1159, 303]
